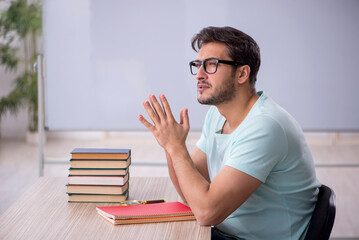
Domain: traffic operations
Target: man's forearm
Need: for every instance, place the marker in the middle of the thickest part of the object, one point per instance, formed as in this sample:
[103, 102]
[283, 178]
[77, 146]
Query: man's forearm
[173, 176]
[194, 187]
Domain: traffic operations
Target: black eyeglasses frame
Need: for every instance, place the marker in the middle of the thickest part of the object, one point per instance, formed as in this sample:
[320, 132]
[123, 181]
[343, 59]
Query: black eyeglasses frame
[201, 63]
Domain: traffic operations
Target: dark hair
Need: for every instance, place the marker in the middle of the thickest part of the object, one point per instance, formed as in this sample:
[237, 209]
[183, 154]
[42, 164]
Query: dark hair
[241, 47]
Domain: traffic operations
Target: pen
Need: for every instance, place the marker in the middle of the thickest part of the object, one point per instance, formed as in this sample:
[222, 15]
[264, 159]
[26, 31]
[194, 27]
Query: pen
[136, 202]
[153, 201]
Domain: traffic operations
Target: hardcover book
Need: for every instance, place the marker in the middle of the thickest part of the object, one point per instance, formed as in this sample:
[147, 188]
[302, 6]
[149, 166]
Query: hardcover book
[149, 220]
[103, 198]
[145, 211]
[98, 171]
[100, 163]
[100, 153]
[97, 189]
[97, 180]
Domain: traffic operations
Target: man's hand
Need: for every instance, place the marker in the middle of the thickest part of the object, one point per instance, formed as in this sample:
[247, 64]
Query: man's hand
[168, 133]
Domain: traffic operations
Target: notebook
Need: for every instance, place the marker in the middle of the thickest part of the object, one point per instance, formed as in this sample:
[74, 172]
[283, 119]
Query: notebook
[146, 213]
[149, 220]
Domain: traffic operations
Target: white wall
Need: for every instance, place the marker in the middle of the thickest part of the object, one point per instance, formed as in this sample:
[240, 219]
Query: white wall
[112, 54]
[15, 126]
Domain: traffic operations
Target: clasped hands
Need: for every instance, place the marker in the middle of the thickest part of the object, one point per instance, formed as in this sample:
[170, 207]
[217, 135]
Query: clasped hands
[168, 132]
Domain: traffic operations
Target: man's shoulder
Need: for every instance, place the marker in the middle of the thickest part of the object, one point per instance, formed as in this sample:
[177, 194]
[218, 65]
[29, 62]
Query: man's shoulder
[269, 112]
[262, 128]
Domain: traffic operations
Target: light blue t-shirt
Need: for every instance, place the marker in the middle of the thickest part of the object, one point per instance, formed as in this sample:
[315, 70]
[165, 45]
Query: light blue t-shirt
[270, 146]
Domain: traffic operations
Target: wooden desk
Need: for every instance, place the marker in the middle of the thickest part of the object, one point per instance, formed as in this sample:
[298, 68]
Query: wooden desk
[44, 213]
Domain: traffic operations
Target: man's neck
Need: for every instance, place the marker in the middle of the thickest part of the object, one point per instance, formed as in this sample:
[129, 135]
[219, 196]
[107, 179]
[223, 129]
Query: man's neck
[236, 110]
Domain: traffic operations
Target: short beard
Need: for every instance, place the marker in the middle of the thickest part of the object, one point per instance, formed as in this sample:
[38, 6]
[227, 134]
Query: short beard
[224, 94]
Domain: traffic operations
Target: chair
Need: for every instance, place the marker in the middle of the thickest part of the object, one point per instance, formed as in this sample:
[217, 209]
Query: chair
[322, 221]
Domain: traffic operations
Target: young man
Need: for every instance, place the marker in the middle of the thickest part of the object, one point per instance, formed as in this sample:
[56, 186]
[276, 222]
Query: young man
[251, 173]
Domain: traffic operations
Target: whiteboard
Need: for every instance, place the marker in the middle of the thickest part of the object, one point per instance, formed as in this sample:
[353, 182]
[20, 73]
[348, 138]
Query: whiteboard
[104, 57]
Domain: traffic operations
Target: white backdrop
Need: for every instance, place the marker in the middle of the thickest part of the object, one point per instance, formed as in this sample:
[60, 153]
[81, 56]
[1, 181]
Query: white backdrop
[104, 57]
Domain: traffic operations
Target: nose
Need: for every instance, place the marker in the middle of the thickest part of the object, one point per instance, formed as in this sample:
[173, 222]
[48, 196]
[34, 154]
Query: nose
[201, 74]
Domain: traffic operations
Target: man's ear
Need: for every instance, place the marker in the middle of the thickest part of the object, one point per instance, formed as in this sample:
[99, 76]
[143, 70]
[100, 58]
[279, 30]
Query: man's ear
[243, 74]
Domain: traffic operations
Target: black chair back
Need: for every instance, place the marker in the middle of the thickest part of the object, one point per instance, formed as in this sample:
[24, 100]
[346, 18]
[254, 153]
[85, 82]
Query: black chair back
[322, 221]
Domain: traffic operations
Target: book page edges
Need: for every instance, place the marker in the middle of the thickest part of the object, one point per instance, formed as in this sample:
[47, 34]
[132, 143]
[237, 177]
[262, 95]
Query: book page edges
[148, 220]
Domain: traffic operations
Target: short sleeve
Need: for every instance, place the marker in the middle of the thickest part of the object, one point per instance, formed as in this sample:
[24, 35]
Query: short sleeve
[258, 148]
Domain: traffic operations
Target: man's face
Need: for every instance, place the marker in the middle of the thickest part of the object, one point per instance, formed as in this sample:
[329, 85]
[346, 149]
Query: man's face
[220, 87]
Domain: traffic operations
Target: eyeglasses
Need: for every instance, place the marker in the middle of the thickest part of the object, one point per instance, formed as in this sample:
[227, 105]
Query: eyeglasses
[209, 65]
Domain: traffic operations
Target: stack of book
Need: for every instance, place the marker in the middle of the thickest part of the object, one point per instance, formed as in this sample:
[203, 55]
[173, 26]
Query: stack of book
[99, 175]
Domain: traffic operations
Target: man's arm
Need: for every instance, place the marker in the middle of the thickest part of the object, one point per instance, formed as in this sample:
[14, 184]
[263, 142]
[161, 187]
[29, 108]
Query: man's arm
[213, 201]
[200, 161]
[173, 176]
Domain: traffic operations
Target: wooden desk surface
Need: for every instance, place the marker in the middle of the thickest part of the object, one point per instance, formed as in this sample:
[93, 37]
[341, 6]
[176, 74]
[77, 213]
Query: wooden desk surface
[44, 213]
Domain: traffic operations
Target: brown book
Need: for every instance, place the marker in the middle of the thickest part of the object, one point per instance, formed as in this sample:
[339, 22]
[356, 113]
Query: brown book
[98, 171]
[103, 198]
[100, 153]
[100, 163]
[97, 189]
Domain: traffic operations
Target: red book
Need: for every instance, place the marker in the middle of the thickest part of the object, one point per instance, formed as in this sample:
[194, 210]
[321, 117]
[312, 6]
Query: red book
[146, 211]
[148, 220]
